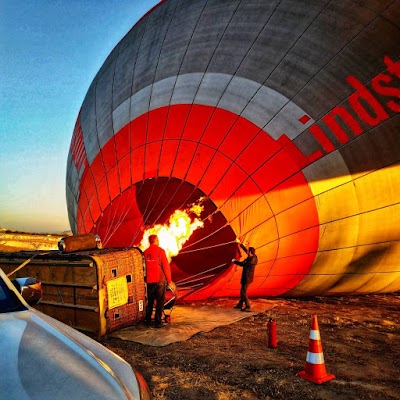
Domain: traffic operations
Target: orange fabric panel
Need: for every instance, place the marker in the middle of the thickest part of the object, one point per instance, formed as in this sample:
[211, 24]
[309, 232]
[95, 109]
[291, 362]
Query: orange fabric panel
[176, 121]
[137, 162]
[219, 125]
[239, 136]
[202, 159]
[167, 157]
[122, 141]
[124, 165]
[152, 158]
[184, 159]
[196, 124]
[214, 172]
[138, 131]
[260, 149]
[113, 182]
[156, 124]
[109, 155]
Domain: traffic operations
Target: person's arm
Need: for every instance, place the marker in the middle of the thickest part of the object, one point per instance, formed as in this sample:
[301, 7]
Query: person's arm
[240, 263]
[165, 265]
[244, 247]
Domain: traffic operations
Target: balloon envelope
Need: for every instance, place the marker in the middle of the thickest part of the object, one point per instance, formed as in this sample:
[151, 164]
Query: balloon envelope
[281, 116]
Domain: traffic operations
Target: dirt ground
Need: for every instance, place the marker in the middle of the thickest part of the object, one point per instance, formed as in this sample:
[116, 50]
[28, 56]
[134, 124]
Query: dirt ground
[360, 338]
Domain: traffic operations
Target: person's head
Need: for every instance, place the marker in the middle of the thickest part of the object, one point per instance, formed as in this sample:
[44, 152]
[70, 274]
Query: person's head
[153, 239]
[252, 250]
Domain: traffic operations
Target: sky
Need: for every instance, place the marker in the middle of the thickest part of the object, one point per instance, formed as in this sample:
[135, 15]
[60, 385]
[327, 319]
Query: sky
[50, 51]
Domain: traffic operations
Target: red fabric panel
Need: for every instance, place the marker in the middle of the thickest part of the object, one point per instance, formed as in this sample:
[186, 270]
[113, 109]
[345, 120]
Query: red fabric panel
[113, 182]
[83, 203]
[108, 153]
[138, 131]
[214, 172]
[122, 141]
[197, 122]
[88, 222]
[221, 122]
[95, 209]
[88, 183]
[167, 157]
[152, 157]
[104, 197]
[261, 148]
[202, 160]
[177, 117]
[156, 125]
[124, 166]
[137, 162]
[238, 138]
[97, 168]
[230, 182]
[184, 159]
[275, 171]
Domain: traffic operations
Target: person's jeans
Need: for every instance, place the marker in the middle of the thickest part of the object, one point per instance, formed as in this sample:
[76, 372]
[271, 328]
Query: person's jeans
[155, 292]
[243, 295]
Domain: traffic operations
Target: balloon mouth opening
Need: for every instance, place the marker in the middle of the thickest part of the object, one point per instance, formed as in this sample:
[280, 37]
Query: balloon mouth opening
[208, 251]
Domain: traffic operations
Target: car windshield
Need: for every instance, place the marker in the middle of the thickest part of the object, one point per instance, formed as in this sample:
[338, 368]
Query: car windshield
[9, 301]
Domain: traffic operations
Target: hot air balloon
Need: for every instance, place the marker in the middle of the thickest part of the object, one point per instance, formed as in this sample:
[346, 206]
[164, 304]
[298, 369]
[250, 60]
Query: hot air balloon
[280, 118]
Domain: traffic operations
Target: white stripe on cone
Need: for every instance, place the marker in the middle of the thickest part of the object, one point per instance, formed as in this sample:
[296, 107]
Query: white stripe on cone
[315, 358]
[315, 335]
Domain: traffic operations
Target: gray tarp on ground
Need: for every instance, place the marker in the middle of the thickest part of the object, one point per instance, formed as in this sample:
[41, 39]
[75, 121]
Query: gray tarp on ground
[187, 320]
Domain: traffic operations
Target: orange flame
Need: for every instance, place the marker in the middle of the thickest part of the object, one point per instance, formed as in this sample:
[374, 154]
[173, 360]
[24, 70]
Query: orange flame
[173, 235]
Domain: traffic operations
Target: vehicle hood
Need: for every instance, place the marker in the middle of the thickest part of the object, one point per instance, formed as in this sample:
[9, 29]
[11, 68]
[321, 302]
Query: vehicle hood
[45, 359]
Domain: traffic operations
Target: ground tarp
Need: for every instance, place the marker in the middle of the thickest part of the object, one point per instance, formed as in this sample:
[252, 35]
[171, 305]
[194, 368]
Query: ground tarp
[190, 319]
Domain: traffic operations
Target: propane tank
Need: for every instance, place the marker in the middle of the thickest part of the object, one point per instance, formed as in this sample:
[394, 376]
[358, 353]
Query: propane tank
[271, 334]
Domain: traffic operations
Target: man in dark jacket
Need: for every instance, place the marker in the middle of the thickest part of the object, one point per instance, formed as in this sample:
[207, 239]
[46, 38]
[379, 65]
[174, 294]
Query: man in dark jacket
[158, 275]
[248, 265]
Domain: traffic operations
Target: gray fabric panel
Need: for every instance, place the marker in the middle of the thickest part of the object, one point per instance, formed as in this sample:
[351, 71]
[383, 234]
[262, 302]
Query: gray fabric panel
[287, 121]
[241, 33]
[150, 46]
[140, 102]
[211, 89]
[121, 115]
[186, 88]
[125, 65]
[238, 94]
[375, 149]
[88, 123]
[162, 92]
[104, 105]
[362, 58]
[287, 23]
[178, 38]
[208, 34]
[318, 45]
[263, 106]
[393, 13]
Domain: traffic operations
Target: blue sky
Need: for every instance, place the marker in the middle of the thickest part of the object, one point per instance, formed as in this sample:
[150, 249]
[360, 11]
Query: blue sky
[50, 51]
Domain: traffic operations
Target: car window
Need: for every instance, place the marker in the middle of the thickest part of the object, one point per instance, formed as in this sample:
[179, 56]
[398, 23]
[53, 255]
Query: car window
[8, 299]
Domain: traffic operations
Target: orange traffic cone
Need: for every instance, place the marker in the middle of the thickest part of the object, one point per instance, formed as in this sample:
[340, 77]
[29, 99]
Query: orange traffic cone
[315, 365]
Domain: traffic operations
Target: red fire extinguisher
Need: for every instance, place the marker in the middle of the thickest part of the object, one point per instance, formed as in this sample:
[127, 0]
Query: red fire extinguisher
[271, 333]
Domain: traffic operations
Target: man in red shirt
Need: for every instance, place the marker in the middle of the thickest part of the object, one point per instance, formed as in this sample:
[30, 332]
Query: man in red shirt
[158, 274]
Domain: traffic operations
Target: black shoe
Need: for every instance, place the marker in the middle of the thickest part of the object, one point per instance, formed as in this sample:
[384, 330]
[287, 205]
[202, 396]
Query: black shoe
[158, 326]
[246, 309]
[238, 306]
[147, 322]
